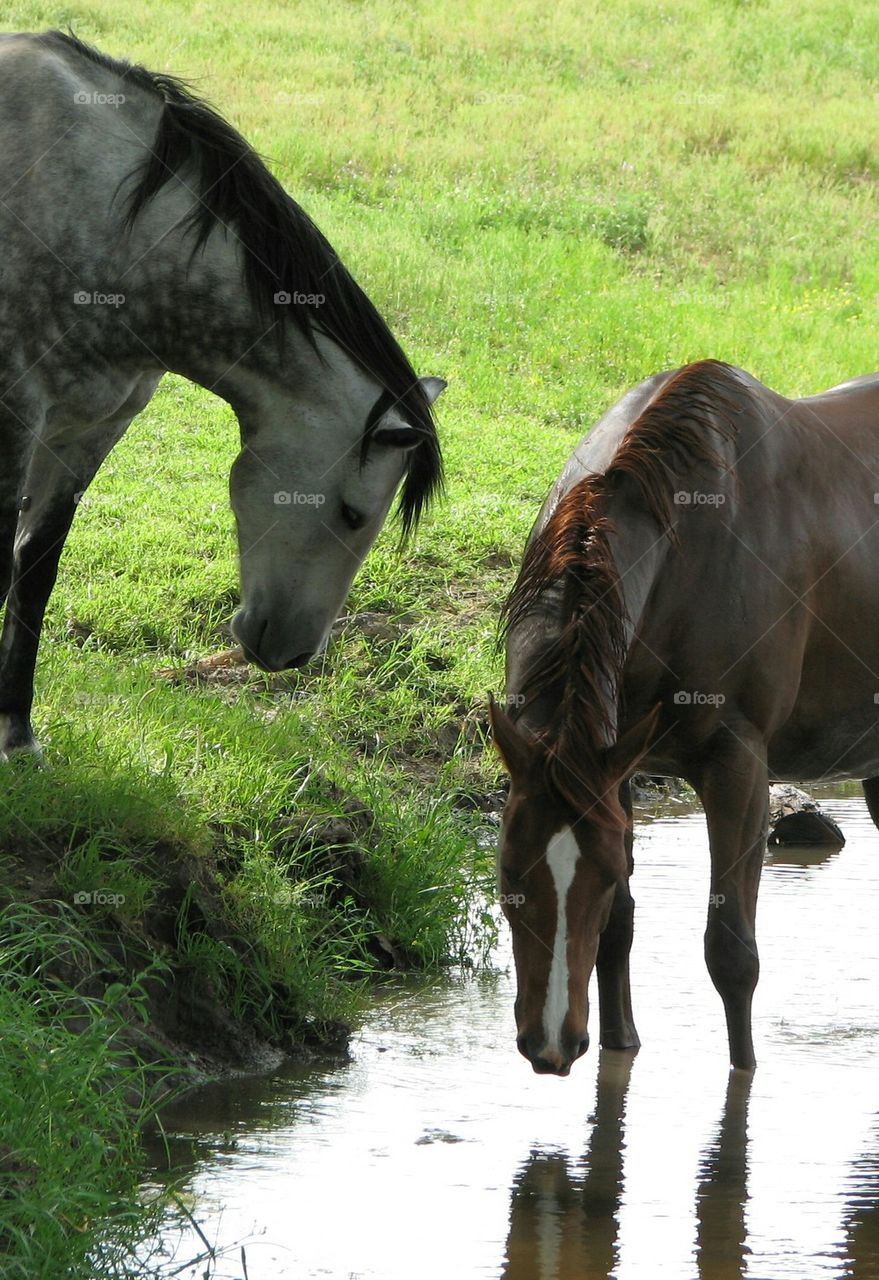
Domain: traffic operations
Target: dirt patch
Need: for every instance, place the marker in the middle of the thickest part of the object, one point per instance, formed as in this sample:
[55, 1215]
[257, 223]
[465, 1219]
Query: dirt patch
[229, 669]
[181, 1017]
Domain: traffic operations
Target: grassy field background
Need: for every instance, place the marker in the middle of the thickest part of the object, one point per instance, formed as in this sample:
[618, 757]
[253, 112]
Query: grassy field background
[547, 205]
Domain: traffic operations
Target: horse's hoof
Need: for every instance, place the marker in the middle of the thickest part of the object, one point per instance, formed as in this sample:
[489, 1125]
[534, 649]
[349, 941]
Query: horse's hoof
[743, 1069]
[622, 1040]
[18, 744]
[30, 757]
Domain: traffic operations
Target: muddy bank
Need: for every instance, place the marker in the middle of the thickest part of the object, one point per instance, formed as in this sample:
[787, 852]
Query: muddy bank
[209, 1004]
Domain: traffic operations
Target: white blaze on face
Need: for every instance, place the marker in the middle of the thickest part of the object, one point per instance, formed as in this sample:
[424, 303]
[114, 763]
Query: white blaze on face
[562, 853]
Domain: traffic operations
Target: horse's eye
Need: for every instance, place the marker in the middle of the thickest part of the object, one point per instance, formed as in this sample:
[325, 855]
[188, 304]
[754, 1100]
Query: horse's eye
[353, 519]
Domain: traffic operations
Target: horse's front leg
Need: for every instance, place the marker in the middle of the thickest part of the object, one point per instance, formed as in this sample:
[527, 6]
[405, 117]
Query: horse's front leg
[20, 424]
[871, 795]
[734, 790]
[612, 964]
[57, 475]
[38, 546]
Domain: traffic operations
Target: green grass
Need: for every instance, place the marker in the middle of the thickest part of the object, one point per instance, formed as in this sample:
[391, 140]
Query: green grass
[72, 1103]
[548, 204]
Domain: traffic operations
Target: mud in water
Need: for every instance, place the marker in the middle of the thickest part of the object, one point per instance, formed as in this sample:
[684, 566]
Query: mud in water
[436, 1153]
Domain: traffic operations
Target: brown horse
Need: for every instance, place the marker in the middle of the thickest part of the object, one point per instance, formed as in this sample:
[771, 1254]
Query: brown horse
[699, 596]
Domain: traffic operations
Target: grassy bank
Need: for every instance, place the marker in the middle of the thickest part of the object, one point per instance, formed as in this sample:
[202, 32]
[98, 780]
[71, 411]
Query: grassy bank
[547, 205]
[71, 1100]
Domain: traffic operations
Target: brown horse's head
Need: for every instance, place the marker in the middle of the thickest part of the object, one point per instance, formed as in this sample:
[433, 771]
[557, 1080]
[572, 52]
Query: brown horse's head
[561, 855]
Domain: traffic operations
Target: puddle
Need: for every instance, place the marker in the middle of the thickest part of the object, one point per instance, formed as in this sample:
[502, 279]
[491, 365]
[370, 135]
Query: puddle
[437, 1153]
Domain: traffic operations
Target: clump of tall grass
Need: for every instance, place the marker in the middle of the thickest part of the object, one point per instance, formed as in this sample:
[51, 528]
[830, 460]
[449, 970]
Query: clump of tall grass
[73, 1100]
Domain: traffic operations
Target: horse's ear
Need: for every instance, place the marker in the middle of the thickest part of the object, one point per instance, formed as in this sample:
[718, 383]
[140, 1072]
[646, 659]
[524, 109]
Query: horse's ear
[402, 435]
[397, 435]
[512, 746]
[433, 388]
[623, 756]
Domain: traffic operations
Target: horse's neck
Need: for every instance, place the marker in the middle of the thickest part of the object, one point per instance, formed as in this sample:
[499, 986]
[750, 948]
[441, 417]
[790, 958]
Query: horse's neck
[208, 329]
[638, 548]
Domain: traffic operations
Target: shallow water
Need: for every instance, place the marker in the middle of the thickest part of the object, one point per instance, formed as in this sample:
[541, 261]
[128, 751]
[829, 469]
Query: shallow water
[437, 1153]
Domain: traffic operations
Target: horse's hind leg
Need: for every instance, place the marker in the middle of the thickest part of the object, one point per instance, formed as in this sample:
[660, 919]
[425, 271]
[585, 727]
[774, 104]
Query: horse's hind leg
[871, 795]
[734, 790]
[614, 995]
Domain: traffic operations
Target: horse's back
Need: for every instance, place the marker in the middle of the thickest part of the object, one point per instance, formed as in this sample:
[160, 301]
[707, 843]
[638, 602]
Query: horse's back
[68, 126]
[865, 383]
[38, 88]
[849, 414]
[35, 87]
[844, 417]
[71, 131]
[804, 450]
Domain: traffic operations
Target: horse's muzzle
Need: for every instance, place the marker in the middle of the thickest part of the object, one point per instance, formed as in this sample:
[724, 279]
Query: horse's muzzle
[551, 1060]
[253, 633]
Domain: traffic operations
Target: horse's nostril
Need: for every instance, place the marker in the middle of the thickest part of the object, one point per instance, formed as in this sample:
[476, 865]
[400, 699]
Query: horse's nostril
[545, 1068]
[300, 660]
[582, 1047]
[248, 629]
[546, 1060]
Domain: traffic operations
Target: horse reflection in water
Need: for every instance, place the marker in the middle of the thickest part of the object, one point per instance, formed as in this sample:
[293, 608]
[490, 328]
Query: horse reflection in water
[564, 1221]
[564, 1218]
[722, 1193]
[862, 1215]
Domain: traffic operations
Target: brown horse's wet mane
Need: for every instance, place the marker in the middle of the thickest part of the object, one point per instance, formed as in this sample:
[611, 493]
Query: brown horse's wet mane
[572, 551]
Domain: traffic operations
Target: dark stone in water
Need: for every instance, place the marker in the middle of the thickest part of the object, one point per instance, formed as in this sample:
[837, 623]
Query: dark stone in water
[796, 819]
[806, 827]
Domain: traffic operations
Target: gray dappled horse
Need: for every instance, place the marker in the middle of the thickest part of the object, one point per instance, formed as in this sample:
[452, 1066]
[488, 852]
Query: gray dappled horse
[140, 233]
[699, 596]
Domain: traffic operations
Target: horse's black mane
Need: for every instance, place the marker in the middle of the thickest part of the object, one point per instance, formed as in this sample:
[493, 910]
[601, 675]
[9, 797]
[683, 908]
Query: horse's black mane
[679, 430]
[283, 249]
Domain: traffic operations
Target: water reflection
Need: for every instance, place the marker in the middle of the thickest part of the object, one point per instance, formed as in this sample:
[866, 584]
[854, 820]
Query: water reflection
[862, 1215]
[801, 856]
[722, 1190]
[564, 1216]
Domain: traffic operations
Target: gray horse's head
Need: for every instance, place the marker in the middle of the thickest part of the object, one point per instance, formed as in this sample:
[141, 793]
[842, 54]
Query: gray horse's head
[310, 490]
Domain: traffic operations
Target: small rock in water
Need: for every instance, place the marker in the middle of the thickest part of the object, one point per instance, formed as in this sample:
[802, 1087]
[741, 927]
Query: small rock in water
[795, 818]
[436, 1135]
